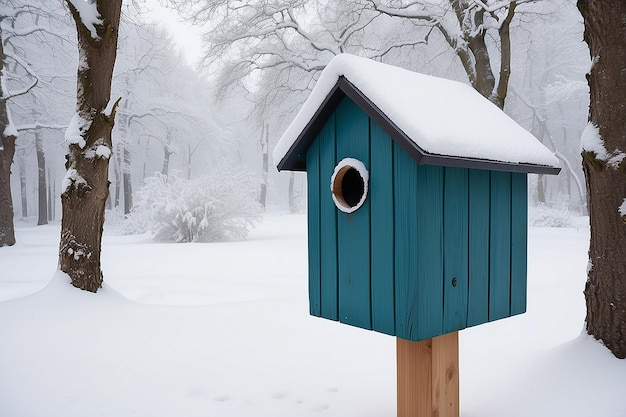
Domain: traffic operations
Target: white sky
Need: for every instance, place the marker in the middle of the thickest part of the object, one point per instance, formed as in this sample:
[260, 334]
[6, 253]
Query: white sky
[186, 37]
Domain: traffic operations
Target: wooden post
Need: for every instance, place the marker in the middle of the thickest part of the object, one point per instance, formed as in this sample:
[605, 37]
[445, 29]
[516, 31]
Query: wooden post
[428, 377]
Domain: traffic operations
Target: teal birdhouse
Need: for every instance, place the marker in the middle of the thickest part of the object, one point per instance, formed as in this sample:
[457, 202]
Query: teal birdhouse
[417, 200]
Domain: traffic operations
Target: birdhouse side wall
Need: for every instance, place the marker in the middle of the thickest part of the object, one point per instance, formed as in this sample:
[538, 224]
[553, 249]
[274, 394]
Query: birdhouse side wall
[353, 229]
[432, 250]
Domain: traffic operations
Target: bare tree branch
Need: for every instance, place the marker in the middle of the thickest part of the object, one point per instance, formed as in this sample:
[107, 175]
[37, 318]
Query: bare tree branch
[28, 69]
[39, 125]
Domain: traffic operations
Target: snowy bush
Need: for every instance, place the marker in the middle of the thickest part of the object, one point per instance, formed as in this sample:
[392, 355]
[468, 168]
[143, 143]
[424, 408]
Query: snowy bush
[137, 222]
[114, 219]
[544, 216]
[216, 207]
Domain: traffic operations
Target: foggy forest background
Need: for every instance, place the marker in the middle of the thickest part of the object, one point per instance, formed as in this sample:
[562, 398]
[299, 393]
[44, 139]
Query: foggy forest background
[212, 122]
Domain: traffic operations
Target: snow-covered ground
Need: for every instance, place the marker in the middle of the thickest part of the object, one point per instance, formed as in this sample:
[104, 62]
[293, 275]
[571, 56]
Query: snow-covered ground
[222, 329]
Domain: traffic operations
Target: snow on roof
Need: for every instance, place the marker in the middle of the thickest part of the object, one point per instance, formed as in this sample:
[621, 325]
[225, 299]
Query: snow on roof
[442, 117]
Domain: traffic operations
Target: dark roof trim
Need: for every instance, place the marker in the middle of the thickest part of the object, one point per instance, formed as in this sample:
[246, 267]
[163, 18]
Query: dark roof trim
[295, 158]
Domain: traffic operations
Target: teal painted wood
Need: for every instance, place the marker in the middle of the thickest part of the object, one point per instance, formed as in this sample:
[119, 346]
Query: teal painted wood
[352, 131]
[405, 244]
[456, 250]
[430, 251]
[328, 224]
[381, 198]
[519, 239]
[390, 265]
[313, 217]
[418, 227]
[478, 291]
[500, 246]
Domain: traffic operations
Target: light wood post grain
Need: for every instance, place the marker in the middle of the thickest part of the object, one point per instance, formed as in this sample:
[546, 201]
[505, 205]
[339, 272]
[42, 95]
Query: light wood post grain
[428, 377]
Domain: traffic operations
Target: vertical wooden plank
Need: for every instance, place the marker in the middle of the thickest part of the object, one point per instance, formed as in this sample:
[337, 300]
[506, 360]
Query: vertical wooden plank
[328, 223]
[445, 363]
[428, 377]
[500, 247]
[381, 195]
[456, 250]
[429, 237]
[478, 292]
[405, 243]
[418, 228]
[313, 218]
[414, 378]
[519, 238]
[352, 131]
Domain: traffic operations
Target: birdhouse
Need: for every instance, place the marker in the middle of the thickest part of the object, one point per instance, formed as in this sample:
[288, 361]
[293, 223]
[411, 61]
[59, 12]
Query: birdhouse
[417, 200]
[417, 214]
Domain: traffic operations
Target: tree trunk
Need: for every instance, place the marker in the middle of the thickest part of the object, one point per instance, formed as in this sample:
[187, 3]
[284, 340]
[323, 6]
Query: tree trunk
[128, 189]
[51, 195]
[21, 163]
[7, 151]
[42, 208]
[475, 58]
[605, 290]
[166, 160]
[124, 166]
[167, 153]
[86, 185]
[145, 162]
[293, 207]
[502, 88]
[189, 158]
[117, 171]
[264, 151]
[7, 230]
[485, 80]
[541, 194]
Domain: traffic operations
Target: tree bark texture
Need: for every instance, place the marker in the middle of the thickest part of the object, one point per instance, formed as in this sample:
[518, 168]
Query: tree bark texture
[605, 290]
[42, 197]
[7, 229]
[7, 151]
[476, 59]
[128, 188]
[167, 152]
[502, 88]
[117, 171]
[21, 163]
[51, 194]
[166, 160]
[86, 186]
[265, 137]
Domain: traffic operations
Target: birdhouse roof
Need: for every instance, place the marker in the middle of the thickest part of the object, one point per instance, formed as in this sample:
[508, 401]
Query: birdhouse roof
[437, 121]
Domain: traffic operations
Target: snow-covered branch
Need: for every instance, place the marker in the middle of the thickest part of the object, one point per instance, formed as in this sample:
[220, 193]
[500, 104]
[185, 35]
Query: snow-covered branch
[14, 11]
[355, 27]
[406, 11]
[399, 45]
[39, 125]
[498, 5]
[12, 33]
[28, 69]
[308, 37]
